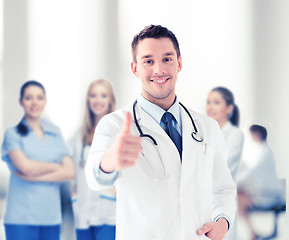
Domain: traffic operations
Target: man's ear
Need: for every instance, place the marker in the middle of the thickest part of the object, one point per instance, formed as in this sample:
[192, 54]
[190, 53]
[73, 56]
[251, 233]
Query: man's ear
[134, 68]
[180, 64]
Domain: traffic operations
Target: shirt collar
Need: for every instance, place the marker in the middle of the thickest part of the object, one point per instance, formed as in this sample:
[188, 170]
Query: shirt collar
[226, 126]
[157, 112]
[46, 126]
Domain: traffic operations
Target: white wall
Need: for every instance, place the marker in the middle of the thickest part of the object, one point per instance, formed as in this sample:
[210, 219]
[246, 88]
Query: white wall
[14, 59]
[272, 75]
[1, 68]
[271, 79]
[69, 47]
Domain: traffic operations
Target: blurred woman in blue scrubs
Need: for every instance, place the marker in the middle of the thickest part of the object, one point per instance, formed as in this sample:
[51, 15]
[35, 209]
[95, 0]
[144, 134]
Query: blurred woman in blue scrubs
[94, 212]
[38, 159]
[221, 106]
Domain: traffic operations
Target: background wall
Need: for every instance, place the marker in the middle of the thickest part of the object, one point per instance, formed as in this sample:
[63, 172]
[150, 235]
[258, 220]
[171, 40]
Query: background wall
[242, 45]
[271, 77]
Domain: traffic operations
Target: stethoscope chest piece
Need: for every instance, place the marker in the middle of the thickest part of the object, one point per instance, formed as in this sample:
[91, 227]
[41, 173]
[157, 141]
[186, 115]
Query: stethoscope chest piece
[197, 137]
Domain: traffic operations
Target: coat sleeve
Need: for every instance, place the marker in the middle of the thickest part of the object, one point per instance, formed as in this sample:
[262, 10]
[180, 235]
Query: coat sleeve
[104, 136]
[224, 188]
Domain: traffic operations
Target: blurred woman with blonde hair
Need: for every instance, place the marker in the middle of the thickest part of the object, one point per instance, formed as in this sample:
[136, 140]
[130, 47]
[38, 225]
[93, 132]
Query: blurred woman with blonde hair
[94, 212]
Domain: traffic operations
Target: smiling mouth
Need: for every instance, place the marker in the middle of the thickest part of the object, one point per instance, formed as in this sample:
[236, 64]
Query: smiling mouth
[159, 80]
[97, 107]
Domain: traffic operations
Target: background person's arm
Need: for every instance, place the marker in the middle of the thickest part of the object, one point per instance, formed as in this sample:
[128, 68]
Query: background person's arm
[30, 167]
[64, 172]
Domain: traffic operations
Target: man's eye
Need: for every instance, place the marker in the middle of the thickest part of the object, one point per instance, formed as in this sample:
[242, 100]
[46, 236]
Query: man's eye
[149, 62]
[167, 60]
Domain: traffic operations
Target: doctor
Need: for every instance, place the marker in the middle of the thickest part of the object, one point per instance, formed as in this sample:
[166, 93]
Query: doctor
[171, 184]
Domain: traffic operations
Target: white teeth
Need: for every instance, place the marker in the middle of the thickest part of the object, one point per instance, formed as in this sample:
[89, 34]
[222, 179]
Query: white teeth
[160, 81]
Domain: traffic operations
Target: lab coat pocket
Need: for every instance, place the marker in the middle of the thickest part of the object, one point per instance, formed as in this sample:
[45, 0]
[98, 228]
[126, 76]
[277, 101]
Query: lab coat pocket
[204, 164]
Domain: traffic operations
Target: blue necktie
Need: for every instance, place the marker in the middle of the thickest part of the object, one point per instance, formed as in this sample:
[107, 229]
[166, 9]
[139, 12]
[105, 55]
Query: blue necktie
[167, 119]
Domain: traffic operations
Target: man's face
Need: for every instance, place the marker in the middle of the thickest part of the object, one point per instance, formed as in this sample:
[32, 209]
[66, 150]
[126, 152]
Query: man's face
[157, 67]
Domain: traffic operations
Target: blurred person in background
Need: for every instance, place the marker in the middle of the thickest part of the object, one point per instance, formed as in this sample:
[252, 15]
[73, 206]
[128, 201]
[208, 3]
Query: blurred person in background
[94, 212]
[39, 160]
[221, 106]
[258, 185]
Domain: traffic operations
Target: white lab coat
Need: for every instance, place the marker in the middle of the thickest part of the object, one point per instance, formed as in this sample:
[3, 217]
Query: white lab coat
[193, 193]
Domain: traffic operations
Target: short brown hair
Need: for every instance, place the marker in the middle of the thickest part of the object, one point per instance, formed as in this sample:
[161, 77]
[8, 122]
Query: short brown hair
[154, 31]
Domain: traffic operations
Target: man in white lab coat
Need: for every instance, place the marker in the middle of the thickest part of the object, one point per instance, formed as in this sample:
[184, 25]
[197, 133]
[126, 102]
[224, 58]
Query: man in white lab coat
[172, 184]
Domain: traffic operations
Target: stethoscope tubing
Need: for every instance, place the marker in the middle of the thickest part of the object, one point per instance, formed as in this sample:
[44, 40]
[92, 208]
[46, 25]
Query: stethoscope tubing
[194, 134]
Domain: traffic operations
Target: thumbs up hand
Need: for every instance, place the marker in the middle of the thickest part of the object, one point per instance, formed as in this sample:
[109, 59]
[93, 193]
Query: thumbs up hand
[125, 150]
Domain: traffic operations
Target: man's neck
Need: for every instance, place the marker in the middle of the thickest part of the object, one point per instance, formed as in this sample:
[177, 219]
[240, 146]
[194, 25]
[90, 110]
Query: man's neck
[164, 103]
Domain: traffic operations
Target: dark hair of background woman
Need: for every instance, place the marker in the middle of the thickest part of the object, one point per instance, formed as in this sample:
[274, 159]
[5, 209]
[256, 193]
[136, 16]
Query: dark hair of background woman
[22, 129]
[229, 99]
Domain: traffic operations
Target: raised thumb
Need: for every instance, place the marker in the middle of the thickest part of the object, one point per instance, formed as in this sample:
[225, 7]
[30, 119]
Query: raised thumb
[127, 123]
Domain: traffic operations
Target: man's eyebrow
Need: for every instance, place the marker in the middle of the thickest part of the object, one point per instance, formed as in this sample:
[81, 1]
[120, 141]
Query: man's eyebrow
[165, 54]
[169, 54]
[146, 56]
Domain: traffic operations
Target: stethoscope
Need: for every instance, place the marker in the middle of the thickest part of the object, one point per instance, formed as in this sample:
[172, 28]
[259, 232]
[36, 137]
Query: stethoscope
[195, 134]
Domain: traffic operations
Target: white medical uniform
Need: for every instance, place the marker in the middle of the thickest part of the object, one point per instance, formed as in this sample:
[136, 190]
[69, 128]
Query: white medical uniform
[258, 177]
[193, 192]
[90, 208]
[234, 139]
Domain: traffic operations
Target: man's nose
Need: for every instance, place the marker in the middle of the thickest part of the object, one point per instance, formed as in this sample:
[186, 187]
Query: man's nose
[158, 68]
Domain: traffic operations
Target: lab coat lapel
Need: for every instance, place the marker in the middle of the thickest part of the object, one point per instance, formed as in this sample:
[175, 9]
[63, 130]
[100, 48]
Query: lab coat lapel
[190, 149]
[147, 122]
[150, 126]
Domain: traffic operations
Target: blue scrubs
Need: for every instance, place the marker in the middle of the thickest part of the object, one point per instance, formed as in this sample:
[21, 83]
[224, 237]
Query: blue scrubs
[29, 232]
[96, 233]
[33, 203]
